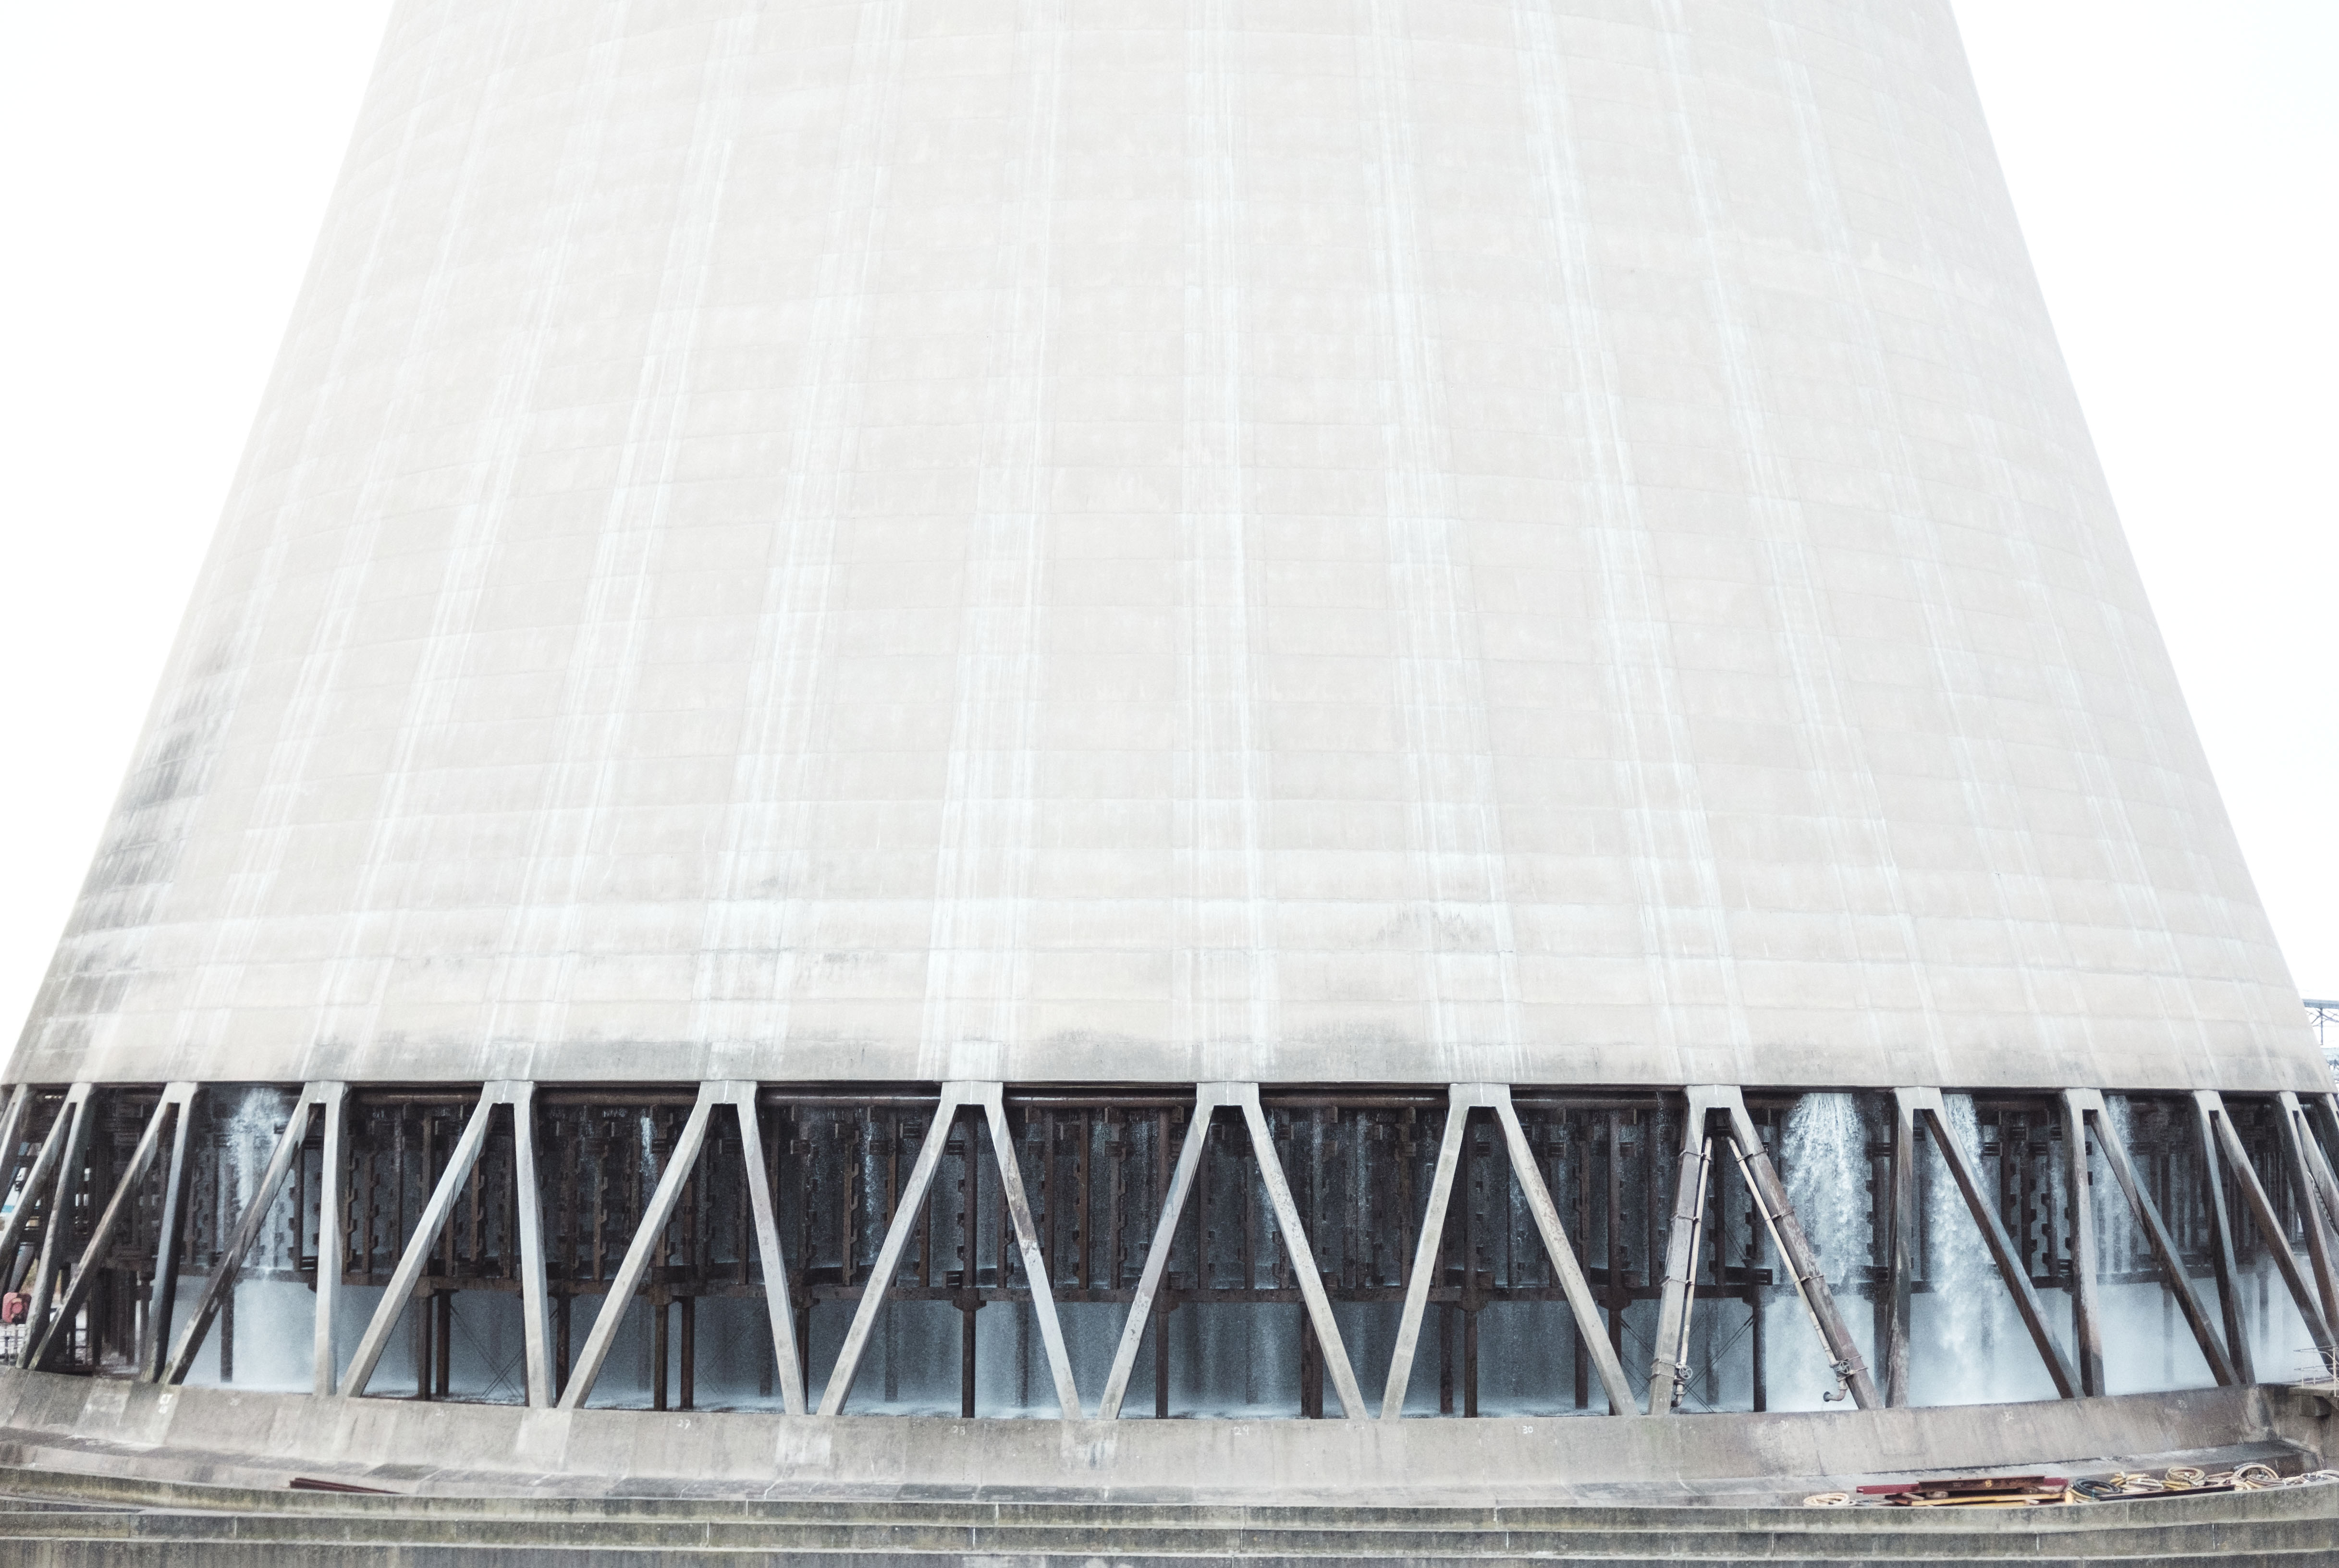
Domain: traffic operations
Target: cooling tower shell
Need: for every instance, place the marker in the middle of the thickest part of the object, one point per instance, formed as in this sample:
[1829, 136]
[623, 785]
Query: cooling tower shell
[1538, 541]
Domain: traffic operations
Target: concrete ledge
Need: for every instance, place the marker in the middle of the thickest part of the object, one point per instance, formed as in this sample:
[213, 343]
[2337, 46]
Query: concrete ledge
[213, 1435]
[61, 1520]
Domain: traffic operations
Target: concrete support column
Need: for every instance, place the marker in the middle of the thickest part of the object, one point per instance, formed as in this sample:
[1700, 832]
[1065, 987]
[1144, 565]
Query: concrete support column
[2087, 1322]
[1926, 1103]
[989, 1099]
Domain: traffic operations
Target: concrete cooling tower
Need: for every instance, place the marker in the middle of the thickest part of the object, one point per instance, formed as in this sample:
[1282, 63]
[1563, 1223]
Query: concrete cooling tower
[1380, 708]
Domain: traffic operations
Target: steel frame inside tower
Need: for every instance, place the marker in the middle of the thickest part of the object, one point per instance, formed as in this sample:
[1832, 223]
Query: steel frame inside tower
[1619, 1217]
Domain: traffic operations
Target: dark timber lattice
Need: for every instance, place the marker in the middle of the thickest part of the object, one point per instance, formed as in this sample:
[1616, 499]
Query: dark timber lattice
[1095, 1164]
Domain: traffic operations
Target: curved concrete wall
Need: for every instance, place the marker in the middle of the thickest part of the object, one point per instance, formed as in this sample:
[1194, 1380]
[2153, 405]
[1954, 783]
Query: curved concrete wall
[68, 1429]
[1387, 539]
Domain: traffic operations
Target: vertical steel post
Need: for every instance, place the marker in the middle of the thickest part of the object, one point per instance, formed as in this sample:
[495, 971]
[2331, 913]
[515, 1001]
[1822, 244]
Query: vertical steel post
[331, 1263]
[777, 1305]
[398, 1293]
[2269, 1224]
[991, 1099]
[1985, 1213]
[2164, 1247]
[535, 1293]
[218, 1290]
[1459, 1104]
[12, 1133]
[1769, 1196]
[987, 1098]
[1581, 1302]
[170, 1238]
[1461, 1100]
[1301, 1253]
[2326, 1179]
[42, 1332]
[1157, 1260]
[1668, 1373]
[2295, 1136]
[45, 1164]
[641, 1255]
[1901, 1245]
[2087, 1326]
[1619, 1296]
[2230, 1305]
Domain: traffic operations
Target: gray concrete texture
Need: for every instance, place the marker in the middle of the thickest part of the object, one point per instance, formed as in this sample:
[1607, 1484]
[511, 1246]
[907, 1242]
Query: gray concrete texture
[1521, 540]
[58, 1520]
[120, 1428]
[55, 1518]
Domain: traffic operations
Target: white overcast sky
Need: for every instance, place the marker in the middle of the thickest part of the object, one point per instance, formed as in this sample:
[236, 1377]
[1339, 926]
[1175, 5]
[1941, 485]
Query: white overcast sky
[163, 168]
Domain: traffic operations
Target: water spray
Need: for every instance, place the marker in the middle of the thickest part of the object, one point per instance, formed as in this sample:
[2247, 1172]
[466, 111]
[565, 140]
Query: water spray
[1841, 1368]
